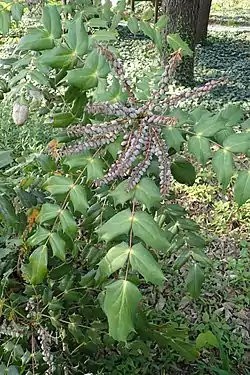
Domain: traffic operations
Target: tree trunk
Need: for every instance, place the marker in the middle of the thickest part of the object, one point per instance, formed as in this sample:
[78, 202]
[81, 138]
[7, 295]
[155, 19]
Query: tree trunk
[183, 16]
[203, 18]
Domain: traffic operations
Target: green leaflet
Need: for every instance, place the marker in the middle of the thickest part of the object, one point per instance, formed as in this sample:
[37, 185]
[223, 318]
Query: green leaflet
[38, 264]
[48, 212]
[117, 225]
[58, 246]
[237, 142]
[38, 237]
[175, 42]
[78, 197]
[242, 187]
[173, 137]
[200, 147]
[113, 260]
[142, 261]
[120, 305]
[52, 21]
[133, 25]
[37, 40]
[68, 223]
[149, 232]
[206, 339]
[195, 279]
[57, 185]
[209, 126]
[77, 37]
[223, 165]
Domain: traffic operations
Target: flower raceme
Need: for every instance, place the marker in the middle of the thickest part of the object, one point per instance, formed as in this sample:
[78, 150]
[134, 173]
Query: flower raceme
[139, 124]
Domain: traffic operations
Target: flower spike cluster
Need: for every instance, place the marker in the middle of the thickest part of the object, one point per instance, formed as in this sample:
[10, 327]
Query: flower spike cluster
[138, 123]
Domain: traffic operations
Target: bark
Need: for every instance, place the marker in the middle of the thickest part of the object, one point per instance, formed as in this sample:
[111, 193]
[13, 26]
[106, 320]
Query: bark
[183, 17]
[203, 18]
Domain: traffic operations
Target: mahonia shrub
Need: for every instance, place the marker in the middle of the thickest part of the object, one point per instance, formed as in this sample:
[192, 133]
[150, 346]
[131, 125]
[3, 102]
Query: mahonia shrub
[94, 220]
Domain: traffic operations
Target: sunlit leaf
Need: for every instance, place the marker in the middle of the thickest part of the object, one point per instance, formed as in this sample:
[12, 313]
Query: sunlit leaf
[38, 262]
[175, 42]
[205, 339]
[77, 37]
[52, 21]
[113, 260]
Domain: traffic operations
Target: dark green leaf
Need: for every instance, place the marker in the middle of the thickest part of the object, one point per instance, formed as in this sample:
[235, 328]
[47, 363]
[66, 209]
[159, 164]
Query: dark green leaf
[120, 305]
[148, 193]
[58, 57]
[77, 37]
[182, 259]
[52, 21]
[206, 338]
[209, 126]
[183, 171]
[47, 163]
[95, 168]
[200, 257]
[120, 194]
[232, 113]
[62, 120]
[185, 349]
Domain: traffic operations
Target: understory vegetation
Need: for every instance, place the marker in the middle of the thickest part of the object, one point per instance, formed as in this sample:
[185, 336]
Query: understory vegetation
[124, 198]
